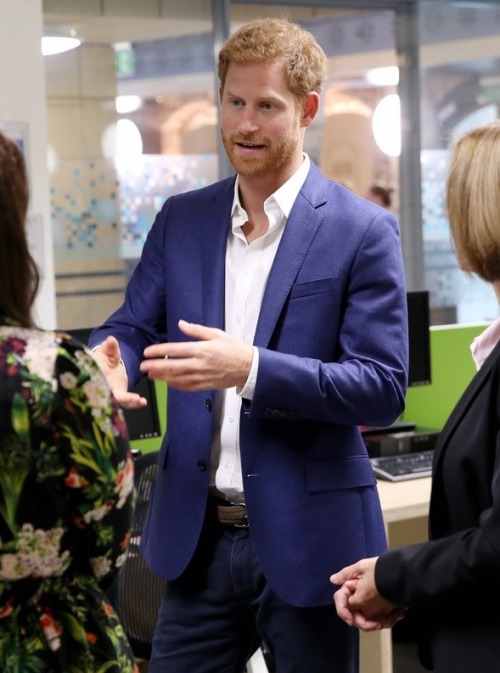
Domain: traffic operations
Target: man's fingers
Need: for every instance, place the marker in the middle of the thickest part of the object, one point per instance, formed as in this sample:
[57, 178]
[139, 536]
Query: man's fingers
[193, 329]
[129, 400]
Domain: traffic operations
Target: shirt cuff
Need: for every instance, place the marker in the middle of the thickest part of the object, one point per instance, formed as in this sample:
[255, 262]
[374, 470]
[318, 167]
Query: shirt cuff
[249, 388]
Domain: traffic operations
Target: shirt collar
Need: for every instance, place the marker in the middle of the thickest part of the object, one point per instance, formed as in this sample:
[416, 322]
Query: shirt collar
[483, 344]
[283, 198]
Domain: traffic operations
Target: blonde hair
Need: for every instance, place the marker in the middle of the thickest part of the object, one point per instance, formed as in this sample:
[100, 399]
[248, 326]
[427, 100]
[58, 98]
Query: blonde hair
[267, 40]
[473, 200]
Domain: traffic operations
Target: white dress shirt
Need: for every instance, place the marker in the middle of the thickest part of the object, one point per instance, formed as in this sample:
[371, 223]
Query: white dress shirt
[247, 270]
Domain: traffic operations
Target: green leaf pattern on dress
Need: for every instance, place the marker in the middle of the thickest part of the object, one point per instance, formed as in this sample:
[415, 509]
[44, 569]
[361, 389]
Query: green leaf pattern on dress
[66, 500]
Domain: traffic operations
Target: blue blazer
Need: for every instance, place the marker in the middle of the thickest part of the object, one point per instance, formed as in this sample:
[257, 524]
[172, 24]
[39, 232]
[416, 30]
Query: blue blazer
[332, 339]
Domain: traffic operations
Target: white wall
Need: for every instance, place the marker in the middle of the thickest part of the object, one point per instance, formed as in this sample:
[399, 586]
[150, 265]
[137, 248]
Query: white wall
[23, 105]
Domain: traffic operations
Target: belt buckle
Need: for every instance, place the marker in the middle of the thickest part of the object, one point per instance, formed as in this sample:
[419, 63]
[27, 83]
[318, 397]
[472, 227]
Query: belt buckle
[245, 523]
[242, 525]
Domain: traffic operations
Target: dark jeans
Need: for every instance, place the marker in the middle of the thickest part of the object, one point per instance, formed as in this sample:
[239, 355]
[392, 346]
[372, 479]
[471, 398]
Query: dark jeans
[215, 616]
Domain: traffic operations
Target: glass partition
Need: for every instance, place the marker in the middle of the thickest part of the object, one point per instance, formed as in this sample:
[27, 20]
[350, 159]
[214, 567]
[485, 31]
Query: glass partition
[460, 88]
[133, 118]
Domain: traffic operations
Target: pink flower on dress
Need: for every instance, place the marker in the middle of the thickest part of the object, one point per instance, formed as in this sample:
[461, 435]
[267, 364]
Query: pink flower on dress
[75, 480]
[51, 629]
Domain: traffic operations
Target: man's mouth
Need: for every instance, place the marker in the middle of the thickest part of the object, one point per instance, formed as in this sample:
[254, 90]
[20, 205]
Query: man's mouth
[250, 146]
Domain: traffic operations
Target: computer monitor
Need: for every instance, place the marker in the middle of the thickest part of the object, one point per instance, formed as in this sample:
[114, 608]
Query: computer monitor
[143, 423]
[419, 339]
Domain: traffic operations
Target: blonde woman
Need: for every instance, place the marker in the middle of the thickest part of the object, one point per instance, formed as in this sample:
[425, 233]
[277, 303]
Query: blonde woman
[452, 582]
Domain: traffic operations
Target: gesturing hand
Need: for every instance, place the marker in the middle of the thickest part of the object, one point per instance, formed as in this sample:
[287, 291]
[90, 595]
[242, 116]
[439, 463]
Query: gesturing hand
[214, 360]
[108, 356]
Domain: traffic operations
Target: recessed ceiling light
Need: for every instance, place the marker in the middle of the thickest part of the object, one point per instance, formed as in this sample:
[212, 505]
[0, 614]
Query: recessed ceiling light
[386, 124]
[126, 104]
[383, 76]
[58, 39]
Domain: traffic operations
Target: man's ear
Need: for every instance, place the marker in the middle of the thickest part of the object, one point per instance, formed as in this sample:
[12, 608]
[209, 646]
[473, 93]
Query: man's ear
[310, 107]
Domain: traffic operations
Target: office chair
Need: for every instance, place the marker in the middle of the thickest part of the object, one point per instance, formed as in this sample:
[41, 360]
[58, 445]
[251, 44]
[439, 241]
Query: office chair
[136, 592]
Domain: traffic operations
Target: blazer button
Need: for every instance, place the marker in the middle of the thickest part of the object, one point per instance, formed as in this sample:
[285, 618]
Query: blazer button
[208, 404]
[202, 465]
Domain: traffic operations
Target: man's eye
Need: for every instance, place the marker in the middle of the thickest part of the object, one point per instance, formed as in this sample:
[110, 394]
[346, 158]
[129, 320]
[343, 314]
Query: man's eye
[267, 106]
[236, 103]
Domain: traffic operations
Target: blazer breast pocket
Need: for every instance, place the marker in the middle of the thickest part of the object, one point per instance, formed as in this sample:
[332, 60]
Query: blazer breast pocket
[314, 287]
[317, 304]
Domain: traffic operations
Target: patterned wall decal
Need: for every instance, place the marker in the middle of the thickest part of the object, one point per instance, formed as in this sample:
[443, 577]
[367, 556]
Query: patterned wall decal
[104, 209]
[85, 208]
[146, 182]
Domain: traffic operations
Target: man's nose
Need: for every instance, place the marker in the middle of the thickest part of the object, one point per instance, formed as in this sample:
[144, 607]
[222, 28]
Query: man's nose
[248, 121]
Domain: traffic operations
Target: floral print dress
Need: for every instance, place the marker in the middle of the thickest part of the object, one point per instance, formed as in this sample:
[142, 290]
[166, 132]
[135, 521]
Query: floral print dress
[66, 497]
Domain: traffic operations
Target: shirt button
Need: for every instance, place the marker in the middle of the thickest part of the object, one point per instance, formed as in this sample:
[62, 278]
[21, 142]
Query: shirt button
[202, 465]
[208, 404]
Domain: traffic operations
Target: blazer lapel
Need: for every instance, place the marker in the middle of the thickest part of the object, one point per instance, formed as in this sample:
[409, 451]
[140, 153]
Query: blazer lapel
[216, 221]
[300, 230]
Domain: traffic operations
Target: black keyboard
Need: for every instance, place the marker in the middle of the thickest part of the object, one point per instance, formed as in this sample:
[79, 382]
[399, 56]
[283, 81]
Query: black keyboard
[403, 465]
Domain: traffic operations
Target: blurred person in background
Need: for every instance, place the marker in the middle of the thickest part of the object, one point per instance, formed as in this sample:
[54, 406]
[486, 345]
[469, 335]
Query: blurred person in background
[382, 196]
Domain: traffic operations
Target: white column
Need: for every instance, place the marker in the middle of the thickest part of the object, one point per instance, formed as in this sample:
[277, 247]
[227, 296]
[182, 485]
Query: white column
[23, 113]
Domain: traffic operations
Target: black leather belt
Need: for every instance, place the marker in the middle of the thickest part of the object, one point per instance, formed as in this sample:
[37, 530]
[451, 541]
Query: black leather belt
[229, 514]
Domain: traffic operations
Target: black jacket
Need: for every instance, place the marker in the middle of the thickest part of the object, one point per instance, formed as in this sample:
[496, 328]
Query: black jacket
[452, 582]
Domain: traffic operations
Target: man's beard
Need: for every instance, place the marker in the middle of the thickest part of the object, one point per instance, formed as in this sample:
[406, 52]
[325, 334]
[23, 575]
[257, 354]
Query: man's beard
[273, 158]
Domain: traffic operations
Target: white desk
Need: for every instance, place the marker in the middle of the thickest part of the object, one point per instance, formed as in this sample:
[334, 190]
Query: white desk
[405, 507]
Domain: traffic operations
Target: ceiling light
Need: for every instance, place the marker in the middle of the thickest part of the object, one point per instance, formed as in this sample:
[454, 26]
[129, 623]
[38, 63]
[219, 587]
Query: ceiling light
[383, 76]
[58, 39]
[125, 104]
[386, 124]
[122, 140]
